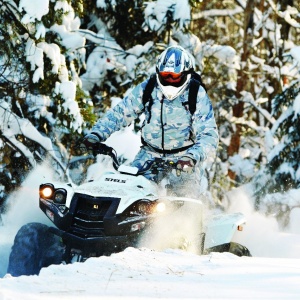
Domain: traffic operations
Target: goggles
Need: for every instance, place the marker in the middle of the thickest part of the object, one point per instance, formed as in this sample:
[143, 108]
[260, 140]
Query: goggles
[171, 77]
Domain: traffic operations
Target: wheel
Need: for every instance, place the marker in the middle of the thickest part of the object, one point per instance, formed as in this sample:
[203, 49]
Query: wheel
[239, 250]
[234, 248]
[34, 248]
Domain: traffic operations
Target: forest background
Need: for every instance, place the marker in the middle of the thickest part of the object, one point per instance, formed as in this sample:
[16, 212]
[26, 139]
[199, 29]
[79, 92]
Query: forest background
[64, 63]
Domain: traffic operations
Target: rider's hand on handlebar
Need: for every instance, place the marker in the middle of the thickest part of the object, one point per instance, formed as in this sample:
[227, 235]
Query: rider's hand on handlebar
[88, 143]
[185, 164]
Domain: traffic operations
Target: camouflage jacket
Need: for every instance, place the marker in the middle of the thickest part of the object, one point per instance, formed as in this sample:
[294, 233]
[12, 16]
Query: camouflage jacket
[169, 126]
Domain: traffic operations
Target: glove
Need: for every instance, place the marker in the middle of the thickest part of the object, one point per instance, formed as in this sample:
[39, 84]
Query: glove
[185, 164]
[89, 142]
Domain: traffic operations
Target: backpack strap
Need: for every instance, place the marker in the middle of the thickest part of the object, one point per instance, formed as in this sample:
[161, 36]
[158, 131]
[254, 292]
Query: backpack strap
[197, 77]
[147, 97]
[192, 98]
[195, 83]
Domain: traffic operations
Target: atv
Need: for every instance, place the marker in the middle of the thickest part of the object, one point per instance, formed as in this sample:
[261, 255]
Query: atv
[120, 209]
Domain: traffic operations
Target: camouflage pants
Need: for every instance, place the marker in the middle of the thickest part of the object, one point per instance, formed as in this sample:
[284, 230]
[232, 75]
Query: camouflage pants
[183, 184]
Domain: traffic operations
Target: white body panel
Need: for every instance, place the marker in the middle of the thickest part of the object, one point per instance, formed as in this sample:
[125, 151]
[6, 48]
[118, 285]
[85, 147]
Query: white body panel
[220, 228]
[127, 187]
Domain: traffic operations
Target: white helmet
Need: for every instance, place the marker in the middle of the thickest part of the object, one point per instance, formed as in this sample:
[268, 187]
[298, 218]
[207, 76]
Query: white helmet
[173, 68]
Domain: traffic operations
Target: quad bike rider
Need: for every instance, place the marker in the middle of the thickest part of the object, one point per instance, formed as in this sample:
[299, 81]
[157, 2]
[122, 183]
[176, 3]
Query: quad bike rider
[179, 119]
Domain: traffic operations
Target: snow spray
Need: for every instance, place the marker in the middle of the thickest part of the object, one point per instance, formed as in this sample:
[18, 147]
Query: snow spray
[262, 234]
[22, 208]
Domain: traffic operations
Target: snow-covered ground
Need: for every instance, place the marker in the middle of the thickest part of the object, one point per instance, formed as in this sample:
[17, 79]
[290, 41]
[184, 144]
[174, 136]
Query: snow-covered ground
[272, 273]
[171, 274]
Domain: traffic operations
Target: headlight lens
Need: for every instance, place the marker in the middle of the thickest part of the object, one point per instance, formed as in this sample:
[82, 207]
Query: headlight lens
[46, 190]
[160, 207]
[143, 207]
[60, 196]
[146, 207]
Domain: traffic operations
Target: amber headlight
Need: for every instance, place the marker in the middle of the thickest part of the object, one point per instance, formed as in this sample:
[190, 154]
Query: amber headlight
[46, 191]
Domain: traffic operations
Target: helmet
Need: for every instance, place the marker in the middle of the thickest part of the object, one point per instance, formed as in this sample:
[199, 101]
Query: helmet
[173, 71]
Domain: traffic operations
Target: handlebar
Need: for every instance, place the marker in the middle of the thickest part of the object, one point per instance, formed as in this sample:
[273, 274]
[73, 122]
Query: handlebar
[157, 165]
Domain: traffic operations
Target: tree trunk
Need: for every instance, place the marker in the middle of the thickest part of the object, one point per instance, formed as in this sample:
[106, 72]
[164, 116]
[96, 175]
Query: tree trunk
[242, 81]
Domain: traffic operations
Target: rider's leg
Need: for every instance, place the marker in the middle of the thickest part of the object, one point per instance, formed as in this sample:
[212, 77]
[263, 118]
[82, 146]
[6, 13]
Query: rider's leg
[142, 157]
[192, 185]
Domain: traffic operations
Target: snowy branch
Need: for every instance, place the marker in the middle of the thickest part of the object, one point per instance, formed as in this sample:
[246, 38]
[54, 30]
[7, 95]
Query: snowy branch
[217, 13]
[286, 15]
[241, 3]
[92, 36]
[12, 10]
[248, 98]
[11, 125]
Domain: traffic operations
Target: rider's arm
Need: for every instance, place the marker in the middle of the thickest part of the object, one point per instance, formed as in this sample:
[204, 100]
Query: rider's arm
[120, 115]
[204, 128]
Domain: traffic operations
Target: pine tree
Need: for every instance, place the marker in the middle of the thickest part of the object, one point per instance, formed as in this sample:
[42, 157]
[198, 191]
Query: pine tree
[282, 172]
[40, 91]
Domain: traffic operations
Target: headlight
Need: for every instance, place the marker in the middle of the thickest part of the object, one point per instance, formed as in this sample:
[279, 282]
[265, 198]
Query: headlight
[160, 207]
[46, 190]
[60, 196]
[146, 207]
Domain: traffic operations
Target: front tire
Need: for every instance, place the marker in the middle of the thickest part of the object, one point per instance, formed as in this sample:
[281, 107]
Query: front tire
[34, 248]
[234, 248]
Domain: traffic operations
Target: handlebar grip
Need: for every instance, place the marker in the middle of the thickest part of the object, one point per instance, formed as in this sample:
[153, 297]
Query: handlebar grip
[101, 148]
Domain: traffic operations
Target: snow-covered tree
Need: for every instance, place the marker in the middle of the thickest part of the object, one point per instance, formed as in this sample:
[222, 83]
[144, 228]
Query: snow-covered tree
[261, 33]
[40, 60]
[282, 171]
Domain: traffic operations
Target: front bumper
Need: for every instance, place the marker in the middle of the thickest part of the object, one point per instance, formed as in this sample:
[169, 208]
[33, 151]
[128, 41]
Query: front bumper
[91, 223]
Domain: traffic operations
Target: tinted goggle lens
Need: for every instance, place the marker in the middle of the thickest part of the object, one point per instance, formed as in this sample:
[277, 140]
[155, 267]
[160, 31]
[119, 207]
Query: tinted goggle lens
[170, 75]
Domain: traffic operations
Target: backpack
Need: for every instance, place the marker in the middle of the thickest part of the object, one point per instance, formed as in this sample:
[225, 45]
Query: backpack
[195, 82]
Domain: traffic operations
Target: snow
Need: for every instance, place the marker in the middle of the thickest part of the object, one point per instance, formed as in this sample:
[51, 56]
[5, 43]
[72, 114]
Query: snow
[52, 51]
[155, 13]
[182, 11]
[217, 12]
[296, 106]
[34, 55]
[272, 273]
[34, 9]
[295, 53]
[171, 274]
[102, 3]
[223, 53]
[38, 104]
[242, 166]
[16, 126]
[70, 39]
[286, 15]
